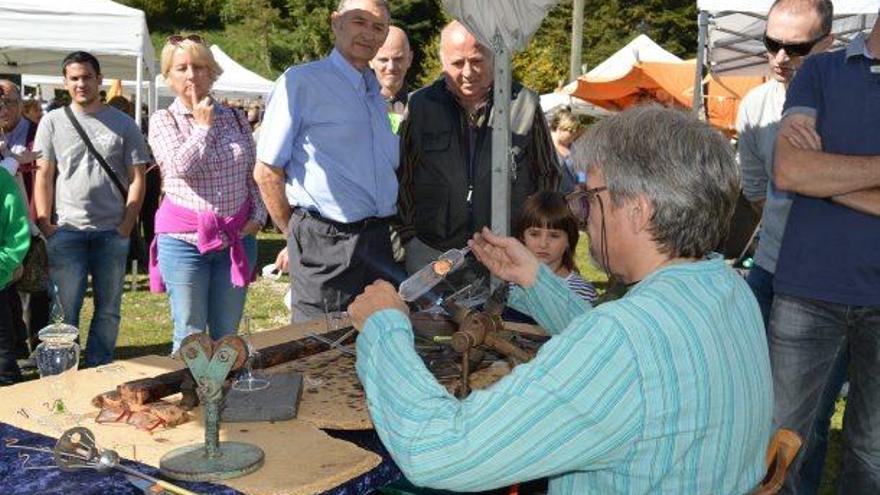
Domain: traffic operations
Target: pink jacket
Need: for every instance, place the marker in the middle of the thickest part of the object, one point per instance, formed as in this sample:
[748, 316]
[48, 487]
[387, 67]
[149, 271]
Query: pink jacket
[171, 218]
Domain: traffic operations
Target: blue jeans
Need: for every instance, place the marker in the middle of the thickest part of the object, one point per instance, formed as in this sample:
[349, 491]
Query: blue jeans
[761, 283]
[200, 288]
[808, 342]
[73, 256]
[814, 450]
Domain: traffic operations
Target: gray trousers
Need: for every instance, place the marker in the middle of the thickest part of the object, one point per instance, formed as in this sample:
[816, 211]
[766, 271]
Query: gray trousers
[331, 263]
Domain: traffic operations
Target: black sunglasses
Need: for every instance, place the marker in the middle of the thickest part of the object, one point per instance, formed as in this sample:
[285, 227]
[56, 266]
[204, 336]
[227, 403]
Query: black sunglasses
[792, 49]
[176, 39]
[579, 202]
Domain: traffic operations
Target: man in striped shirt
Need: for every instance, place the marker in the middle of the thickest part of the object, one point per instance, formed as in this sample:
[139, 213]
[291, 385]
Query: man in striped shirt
[666, 390]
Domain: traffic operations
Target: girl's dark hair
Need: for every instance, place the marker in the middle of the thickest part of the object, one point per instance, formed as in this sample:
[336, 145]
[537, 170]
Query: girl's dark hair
[549, 210]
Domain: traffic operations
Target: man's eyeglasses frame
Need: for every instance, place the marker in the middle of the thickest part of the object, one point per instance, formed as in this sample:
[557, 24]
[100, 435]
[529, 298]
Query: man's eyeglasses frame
[579, 202]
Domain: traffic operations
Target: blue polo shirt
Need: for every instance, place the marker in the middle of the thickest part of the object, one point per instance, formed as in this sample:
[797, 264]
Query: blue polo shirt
[831, 252]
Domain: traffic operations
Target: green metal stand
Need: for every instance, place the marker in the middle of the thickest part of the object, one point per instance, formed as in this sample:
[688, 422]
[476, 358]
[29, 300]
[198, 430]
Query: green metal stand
[214, 460]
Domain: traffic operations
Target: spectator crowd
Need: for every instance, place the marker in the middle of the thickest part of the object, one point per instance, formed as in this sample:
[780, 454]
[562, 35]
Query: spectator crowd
[675, 387]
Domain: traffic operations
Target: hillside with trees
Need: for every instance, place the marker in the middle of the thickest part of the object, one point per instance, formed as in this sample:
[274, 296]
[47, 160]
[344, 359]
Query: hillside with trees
[268, 36]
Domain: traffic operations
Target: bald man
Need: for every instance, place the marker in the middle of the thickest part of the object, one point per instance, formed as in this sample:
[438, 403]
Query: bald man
[446, 154]
[390, 64]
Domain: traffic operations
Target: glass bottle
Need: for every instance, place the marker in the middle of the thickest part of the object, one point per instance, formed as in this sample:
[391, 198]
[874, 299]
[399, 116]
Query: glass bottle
[58, 350]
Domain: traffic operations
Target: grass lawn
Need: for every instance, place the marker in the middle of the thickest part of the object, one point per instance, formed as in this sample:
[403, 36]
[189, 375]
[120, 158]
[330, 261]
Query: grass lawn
[146, 323]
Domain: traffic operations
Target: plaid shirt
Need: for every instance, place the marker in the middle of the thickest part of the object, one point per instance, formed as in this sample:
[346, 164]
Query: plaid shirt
[206, 169]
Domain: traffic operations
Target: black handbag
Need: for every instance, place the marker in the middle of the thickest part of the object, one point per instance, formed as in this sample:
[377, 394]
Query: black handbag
[136, 248]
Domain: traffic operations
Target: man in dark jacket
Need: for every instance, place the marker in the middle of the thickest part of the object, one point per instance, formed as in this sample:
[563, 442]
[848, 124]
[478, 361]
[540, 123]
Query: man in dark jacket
[446, 151]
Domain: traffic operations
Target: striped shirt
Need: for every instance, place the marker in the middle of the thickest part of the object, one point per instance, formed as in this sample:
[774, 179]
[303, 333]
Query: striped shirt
[206, 168]
[581, 287]
[666, 390]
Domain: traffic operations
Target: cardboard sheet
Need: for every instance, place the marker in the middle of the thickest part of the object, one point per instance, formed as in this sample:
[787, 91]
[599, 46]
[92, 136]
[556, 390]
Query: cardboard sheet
[322, 462]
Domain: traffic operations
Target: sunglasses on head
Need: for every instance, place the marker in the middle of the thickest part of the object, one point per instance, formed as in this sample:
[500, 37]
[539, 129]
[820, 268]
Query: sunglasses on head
[791, 49]
[579, 202]
[176, 39]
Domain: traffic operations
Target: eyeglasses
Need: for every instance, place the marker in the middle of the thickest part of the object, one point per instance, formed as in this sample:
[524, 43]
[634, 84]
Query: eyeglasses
[579, 202]
[792, 49]
[176, 39]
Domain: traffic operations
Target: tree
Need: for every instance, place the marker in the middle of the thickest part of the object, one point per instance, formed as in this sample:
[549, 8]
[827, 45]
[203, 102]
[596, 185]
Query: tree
[269, 35]
[260, 18]
[166, 15]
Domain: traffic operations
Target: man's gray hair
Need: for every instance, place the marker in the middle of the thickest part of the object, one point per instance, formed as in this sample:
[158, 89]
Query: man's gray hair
[683, 167]
[343, 4]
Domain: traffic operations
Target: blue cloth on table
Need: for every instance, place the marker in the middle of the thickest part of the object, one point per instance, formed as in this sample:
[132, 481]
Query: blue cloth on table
[14, 480]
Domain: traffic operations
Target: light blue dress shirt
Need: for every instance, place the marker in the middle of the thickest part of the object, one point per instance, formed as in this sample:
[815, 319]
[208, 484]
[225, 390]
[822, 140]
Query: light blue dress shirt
[666, 390]
[326, 124]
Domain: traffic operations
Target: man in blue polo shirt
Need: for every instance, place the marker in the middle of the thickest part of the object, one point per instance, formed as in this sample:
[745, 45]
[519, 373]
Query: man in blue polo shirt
[828, 274]
[326, 165]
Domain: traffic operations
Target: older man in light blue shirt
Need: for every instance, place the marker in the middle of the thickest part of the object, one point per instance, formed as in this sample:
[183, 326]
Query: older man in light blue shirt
[326, 165]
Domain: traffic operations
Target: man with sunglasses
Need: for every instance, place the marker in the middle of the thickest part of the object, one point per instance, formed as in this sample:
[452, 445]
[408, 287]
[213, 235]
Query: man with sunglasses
[795, 29]
[666, 390]
[827, 282]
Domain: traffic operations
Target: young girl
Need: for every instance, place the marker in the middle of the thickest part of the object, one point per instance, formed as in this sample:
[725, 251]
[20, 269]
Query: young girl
[550, 231]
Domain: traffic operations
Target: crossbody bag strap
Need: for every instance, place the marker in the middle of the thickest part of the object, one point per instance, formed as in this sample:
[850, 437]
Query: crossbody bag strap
[95, 154]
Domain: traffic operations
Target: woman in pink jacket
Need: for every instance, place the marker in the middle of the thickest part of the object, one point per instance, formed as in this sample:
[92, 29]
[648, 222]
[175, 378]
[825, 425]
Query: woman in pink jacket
[205, 248]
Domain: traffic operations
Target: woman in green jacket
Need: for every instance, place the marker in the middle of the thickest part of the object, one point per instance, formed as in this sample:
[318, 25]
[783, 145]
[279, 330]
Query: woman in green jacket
[15, 238]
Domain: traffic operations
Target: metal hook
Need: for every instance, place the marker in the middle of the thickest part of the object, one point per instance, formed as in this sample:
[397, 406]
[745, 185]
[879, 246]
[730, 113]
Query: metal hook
[12, 443]
[25, 461]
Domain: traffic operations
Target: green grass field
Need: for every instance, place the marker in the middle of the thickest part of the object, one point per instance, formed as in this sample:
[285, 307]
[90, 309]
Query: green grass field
[146, 323]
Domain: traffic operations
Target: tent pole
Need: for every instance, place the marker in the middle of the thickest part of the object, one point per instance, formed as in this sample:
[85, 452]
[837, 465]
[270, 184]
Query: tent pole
[138, 92]
[577, 40]
[703, 27]
[501, 157]
[151, 99]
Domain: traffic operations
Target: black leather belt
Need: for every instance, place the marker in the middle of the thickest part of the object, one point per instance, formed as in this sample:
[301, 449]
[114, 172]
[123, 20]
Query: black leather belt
[359, 225]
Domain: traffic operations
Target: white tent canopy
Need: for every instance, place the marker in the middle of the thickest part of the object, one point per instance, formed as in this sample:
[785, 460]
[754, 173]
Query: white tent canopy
[235, 82]
[734, 30]
[640, 49]
[551, 102]
[35, 35]
[34, 32]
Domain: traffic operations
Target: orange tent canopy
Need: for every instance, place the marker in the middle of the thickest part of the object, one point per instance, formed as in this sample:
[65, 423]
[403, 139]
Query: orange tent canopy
[672, 84]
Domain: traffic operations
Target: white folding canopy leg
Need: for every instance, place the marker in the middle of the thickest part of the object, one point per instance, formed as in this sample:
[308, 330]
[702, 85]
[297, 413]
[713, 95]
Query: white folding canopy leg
[139, 90]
